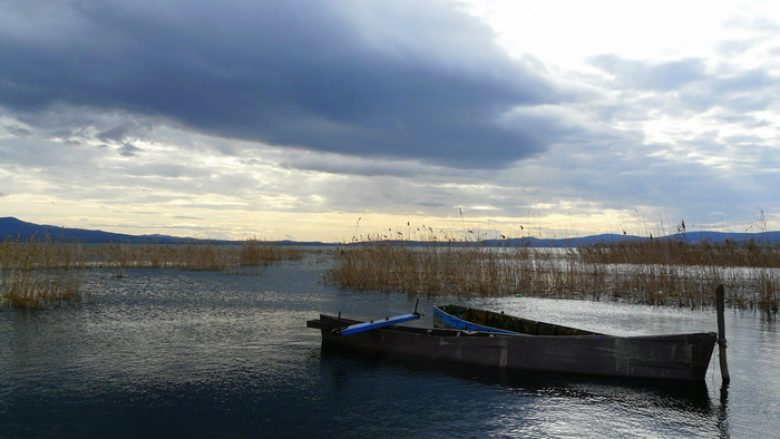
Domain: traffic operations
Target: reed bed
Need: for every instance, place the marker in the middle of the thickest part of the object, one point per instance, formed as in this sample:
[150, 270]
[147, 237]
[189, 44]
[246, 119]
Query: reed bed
[676, 252]
[253, 253]
[199, 257]
[472, 271]
[34, 274]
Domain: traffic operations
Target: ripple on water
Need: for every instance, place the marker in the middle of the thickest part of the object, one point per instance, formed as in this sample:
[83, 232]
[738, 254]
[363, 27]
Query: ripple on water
[176, 353]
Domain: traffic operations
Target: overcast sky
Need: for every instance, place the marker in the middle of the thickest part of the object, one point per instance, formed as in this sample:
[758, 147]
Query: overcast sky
[306, 120]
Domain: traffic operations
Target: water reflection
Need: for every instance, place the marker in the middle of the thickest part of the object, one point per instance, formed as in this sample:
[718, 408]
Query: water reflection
[531, 403]
[690, 396]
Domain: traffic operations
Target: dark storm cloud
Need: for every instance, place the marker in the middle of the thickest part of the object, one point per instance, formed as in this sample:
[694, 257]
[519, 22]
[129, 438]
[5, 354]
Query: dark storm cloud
[394, 79]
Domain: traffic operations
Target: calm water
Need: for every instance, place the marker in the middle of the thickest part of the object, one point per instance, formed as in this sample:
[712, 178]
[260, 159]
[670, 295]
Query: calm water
[164, 353]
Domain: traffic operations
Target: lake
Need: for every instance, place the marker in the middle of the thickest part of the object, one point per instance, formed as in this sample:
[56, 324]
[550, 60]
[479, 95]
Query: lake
[169, 353]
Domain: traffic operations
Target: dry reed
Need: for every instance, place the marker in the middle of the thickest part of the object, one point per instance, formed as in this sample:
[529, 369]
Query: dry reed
[34, 274]
[676, 252]
[207, 257]
[560, 273]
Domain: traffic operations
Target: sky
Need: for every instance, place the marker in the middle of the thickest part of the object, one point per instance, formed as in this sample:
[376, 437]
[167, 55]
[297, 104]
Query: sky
[342, 120]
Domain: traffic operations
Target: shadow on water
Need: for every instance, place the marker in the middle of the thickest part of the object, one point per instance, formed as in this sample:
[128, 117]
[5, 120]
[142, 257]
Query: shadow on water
[678, 396]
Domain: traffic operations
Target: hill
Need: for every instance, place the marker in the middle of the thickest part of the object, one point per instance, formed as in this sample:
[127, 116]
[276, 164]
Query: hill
[17, 230]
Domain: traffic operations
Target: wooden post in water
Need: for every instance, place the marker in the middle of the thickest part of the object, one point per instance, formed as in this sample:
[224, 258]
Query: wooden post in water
[724, 367]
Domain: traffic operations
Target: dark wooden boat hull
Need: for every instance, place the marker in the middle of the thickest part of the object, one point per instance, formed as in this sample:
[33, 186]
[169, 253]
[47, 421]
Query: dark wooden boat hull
[667, 357]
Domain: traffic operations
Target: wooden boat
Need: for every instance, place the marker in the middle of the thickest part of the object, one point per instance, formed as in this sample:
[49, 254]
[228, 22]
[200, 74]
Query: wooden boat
[571, 351]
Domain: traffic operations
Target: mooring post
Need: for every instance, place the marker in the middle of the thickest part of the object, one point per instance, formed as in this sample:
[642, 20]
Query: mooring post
[724, 367]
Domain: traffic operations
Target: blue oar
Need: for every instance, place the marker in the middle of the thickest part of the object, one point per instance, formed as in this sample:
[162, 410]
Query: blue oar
[375, 324]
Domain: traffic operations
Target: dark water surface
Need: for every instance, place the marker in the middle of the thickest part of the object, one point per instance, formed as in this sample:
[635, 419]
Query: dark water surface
[166, 353]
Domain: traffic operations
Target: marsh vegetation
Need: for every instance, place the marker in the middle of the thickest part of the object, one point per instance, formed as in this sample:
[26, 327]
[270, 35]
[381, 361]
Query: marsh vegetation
[670, 273]
[206, 257]
[36, 273]
[678, 252]
[658, 272]
[33, 274]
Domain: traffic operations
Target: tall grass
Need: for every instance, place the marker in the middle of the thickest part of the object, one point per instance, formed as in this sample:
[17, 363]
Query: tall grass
[675, 252]
[560, 273]
[252, 253]
[452, 270]
[188, 257]
[33, 274]
[207, 257]
[682, 271]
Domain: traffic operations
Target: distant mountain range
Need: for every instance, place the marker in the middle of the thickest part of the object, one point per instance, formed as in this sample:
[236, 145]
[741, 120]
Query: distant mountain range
[14, 229]
[609, 238]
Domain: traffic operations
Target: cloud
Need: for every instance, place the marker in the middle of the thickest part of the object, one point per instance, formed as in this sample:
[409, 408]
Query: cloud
[18, 131]
[385, 79]
[759, 25]
[652, 75]
[736, 47]
[690, 85]
[128, 150]
[165, 170]
[349, 165]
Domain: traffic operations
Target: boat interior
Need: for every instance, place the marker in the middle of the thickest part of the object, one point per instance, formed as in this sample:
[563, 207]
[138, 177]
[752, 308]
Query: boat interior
[511, 323]
[340, 322]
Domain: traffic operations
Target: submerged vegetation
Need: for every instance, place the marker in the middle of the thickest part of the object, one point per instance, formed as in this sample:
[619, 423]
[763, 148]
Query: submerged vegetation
[34, 274]
[652, 274]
